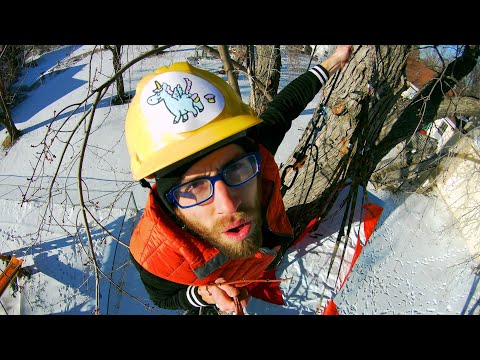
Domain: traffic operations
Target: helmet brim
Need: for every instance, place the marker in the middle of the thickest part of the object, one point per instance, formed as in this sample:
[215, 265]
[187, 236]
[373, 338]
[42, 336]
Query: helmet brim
[196, 141]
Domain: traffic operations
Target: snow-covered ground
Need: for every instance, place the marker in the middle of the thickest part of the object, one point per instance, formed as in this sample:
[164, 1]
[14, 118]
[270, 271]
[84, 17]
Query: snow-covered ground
[416, 261]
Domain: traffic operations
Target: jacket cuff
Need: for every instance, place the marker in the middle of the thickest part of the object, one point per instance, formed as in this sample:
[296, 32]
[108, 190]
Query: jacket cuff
[194, 297]
[321, 73]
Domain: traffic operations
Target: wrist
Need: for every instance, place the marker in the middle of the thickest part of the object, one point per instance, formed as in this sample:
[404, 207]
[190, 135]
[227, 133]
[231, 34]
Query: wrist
[331, 64]
[205, 295]
[194, 297]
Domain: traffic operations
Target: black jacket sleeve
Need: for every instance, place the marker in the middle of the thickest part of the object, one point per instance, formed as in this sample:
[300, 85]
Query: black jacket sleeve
[287, 105]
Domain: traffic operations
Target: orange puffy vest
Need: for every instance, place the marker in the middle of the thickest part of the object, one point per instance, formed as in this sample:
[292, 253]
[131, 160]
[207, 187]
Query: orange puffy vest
[162, 248]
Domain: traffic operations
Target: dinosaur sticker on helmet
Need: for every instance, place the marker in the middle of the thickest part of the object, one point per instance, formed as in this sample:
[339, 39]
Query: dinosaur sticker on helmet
[178, 109]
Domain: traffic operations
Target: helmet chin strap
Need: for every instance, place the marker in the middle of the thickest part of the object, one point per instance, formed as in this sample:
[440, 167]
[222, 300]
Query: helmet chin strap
[164, 184]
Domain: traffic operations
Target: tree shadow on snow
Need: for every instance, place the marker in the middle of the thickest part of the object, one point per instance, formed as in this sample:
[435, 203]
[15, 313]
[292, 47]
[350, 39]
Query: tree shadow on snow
[64, 261]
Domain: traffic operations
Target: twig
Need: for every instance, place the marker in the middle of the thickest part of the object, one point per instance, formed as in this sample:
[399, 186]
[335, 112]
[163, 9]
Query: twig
[249, 281]
[238, 306]
[237, 66]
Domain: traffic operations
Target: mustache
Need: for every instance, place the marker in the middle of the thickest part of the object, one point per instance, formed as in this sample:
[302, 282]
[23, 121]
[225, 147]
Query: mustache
[243, 216]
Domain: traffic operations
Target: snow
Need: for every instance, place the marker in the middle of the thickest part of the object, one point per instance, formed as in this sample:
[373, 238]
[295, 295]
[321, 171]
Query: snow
[416, 261]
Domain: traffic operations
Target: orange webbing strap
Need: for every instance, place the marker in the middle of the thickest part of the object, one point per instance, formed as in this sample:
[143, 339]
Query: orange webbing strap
[7, 275]
[330, 308]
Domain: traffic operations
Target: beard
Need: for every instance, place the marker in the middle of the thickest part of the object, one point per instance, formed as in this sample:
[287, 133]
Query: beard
[231, 248]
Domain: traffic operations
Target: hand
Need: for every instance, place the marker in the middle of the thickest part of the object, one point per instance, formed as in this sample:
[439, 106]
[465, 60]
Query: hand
[222, 295]
[342, 54]
[339, 58]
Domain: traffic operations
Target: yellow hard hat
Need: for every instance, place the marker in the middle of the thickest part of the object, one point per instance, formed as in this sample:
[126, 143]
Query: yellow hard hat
[178, 112]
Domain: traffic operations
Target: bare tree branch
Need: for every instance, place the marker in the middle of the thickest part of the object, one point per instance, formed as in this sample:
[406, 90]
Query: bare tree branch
[237, 66]
[227, 65]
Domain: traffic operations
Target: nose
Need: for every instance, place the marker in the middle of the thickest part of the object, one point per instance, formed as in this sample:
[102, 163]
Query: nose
[226, 201]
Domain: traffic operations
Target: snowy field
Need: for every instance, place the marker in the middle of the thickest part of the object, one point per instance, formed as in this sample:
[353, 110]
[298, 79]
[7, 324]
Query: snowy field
[416, 261]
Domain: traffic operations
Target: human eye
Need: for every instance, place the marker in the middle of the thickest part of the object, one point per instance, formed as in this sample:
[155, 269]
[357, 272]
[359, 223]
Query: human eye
[195, 188]
[236, 166]
[239, 171]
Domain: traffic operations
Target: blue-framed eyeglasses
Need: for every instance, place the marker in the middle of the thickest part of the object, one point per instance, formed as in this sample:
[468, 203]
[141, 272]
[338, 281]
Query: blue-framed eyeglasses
[198, 191]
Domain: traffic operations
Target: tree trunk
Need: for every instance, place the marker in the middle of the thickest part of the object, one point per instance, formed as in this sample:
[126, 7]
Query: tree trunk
[13, 132]
[429, 104]
[357, 102]
[117, 65]
[267, 69]
[249, 51]
[232, 76]
[12, 62]
[424, 107]
[366, 117]
[6, 118]
[465, 105]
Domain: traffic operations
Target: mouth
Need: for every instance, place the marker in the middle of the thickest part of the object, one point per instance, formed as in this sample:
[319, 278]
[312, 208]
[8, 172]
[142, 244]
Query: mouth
[238, 230]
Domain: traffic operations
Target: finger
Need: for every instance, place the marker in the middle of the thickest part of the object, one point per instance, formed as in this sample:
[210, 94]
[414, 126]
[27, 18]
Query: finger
[219, 293]
[225, 303]
[230, 290]
[223, 299]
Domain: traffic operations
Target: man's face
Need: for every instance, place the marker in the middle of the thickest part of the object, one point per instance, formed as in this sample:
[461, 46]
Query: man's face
[231, 219]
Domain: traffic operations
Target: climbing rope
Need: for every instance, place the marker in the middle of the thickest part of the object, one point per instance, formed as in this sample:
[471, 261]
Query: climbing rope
[301, 156]
[318, 122]
[311, 57]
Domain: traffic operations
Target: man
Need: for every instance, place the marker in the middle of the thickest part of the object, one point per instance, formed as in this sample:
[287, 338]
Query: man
[215, 215]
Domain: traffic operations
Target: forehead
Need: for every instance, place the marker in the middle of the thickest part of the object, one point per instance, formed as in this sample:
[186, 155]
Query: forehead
[215, 160]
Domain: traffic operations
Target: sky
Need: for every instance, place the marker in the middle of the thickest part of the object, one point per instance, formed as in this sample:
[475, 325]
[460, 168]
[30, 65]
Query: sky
[414, 263]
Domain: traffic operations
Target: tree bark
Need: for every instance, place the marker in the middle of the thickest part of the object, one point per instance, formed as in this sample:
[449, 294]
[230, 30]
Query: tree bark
[424, 106]
[465, 105]
[237, 66]
[268, 62]
[357, 102]
[117, 65]
[232, 77]
[366, 117]
[13, 132]
[6, 119]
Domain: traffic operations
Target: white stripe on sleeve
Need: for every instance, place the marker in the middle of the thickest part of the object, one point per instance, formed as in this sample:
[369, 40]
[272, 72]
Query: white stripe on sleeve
[321, 73]
[192, 297]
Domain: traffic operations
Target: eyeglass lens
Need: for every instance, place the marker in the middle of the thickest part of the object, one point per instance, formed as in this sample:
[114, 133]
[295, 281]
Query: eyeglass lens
[199, 190]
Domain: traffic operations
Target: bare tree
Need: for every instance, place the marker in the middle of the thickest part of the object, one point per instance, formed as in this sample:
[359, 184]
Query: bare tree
[255, 84]
[267, 64]
[85, 216]
[360, 118]
[13, 58]
[232, 76]
[121, 96]
[263, 71]
[5, 115]
[9, 67]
